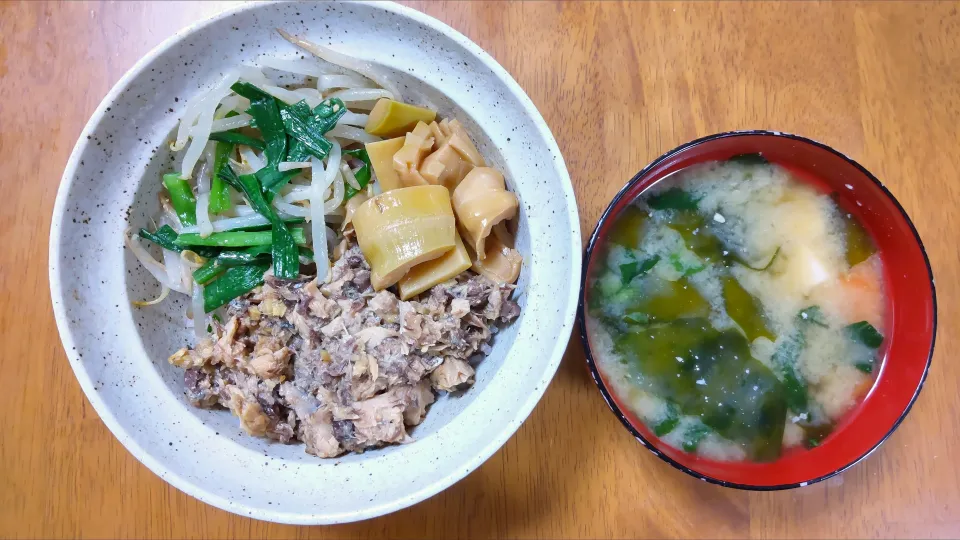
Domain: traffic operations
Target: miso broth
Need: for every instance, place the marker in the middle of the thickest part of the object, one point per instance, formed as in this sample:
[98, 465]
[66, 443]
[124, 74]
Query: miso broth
[737, 311]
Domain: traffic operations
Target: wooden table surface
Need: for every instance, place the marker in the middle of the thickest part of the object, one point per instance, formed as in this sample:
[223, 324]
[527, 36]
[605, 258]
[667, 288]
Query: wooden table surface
[619, 84]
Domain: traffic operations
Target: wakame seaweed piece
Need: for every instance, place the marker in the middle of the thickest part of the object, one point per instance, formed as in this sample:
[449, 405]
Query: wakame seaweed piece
[698, 238]
[234, 137]
[711, 375]
[362, 174]
[784, 361]
[742, 399]
[628, 227]
[814, 434]
[234, 282]
[663, 354]
[864, 333]
[669, 421]
[745, 310]
[645, 300]
[636, 317]
[765, 267]
[664, 300]
[796, 391]
[672, 199]
[859, 245]
[692, 436]
[750, 159]
[632, 269]
[286, 260]
[813, 315]
[166, 238]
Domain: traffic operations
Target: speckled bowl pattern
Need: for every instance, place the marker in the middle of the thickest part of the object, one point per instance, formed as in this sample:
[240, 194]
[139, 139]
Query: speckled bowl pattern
[119, 353]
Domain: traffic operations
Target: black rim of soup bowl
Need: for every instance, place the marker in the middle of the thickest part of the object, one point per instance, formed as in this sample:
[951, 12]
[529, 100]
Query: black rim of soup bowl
[591, 363]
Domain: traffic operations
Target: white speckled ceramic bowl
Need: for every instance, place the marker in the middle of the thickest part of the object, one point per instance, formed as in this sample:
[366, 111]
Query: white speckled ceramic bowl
[119, 352]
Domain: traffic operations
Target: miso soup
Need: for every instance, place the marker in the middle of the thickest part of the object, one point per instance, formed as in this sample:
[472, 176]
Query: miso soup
[737, 311]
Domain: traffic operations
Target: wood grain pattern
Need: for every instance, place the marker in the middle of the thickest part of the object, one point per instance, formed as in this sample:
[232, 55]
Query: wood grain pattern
[619, 83]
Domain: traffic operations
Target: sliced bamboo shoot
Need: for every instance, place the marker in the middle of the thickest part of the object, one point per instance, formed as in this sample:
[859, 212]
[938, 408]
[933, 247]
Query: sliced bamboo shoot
[501, 263]
[458, 138]
[406, 162]
[453, 133]
[480, 202]
[381, 157]
[402, 228]
[422, 129]
[501, 231]
[454, 158]
[440, 131]
[351, 207]
[377, 282]
[392, 119]
[445, 167]
[425, 275]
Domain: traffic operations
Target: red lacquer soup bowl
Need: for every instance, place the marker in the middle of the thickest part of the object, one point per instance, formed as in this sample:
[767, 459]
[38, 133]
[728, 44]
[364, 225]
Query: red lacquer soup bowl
[911, 309]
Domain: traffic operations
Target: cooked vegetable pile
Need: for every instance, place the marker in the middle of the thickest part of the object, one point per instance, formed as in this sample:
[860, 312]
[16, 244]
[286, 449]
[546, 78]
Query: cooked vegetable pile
[266, 166]
[338, 279]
